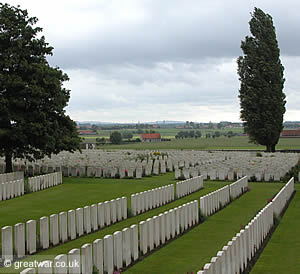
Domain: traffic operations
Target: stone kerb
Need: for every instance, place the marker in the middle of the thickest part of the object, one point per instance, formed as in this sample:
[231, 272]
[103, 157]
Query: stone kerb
[243, 247]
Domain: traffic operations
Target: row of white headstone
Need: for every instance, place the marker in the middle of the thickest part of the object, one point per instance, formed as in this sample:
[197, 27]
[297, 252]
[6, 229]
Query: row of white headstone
[63, 227]
[12, 189]
[147, 200]
[214, 201]
[12, 176]
[44, 181]
[235, 256]
[124, 247]
[238, 187]
[68, 226]
[189, 186]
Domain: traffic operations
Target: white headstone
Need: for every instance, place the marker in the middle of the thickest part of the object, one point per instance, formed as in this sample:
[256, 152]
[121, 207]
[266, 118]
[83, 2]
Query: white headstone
[79, 221]
[7, 243]
[44, 232]
[74, 261]
[63, 227]
[108, 254]
[126, 246]
[31, 236]
[71, 225]
[60, 264]
[98, 254]
[86, 259]
[54, 229]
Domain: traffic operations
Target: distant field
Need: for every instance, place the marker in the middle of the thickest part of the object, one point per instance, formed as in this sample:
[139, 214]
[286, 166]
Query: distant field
[239, 142]
[167, 132]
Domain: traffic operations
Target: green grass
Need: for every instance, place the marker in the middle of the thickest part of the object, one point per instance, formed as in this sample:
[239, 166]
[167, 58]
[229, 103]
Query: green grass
[65, 248]
[281, 255]
[169, 132]
[73, 193]
[187, 253]
[238, 142]
[194, 249]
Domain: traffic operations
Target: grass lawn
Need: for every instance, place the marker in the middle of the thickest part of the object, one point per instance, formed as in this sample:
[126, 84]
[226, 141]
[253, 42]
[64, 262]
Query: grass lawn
[281, 255]
[238, 142]
[65, 248]
[74, 193]
[187, 253]
[193, 250]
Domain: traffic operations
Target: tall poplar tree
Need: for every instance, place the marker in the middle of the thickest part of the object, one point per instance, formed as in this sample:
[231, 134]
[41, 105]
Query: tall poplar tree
[261, 74]
[33, 122]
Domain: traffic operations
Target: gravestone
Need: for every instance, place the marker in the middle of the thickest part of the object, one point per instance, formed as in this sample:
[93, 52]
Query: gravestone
[98, 255]
[54, 229]
[19, 239]
[31, 236]
[44, 232]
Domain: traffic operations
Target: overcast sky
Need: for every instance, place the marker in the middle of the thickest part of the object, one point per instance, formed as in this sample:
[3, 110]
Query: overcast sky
[149, 60]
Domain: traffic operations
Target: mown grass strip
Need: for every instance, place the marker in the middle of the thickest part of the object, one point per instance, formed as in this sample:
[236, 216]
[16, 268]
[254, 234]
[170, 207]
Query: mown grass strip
[281, 254]
[65, 248]
[191, 251]
[74, 193]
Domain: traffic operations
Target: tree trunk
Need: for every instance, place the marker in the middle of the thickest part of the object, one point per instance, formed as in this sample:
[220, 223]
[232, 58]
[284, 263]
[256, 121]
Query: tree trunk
[270, 147]
[8, 162]
[273, 147]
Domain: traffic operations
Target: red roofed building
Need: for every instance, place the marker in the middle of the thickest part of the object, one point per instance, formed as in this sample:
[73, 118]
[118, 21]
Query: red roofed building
[151, 137]
[86, 132]
[290, 133]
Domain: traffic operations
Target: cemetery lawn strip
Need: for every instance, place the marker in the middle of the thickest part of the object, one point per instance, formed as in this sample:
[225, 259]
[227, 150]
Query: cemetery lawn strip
[74, 193]
[65, 248]
[194, 249]
[281, 254]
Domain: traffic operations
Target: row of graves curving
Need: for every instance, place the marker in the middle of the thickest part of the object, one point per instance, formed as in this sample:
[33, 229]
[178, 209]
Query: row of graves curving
[241, 249]
[123, 248]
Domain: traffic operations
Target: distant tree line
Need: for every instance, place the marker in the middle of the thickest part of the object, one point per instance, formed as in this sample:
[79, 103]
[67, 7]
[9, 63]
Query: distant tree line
[197, 134]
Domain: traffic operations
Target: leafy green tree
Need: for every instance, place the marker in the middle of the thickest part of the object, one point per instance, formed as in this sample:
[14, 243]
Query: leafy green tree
[217, 134]
[115, 137]
[33, 122]
[261, 74]
[127, 135]
[229, 134]
[100, 141]
[198, 134]
[191, 134]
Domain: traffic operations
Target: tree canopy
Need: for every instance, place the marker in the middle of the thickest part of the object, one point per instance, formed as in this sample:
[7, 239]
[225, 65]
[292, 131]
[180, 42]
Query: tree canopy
[33, 122]
[261, 74]
[115, 137]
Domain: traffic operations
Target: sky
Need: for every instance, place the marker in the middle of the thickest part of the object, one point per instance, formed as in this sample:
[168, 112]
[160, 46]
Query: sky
[152, 60]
